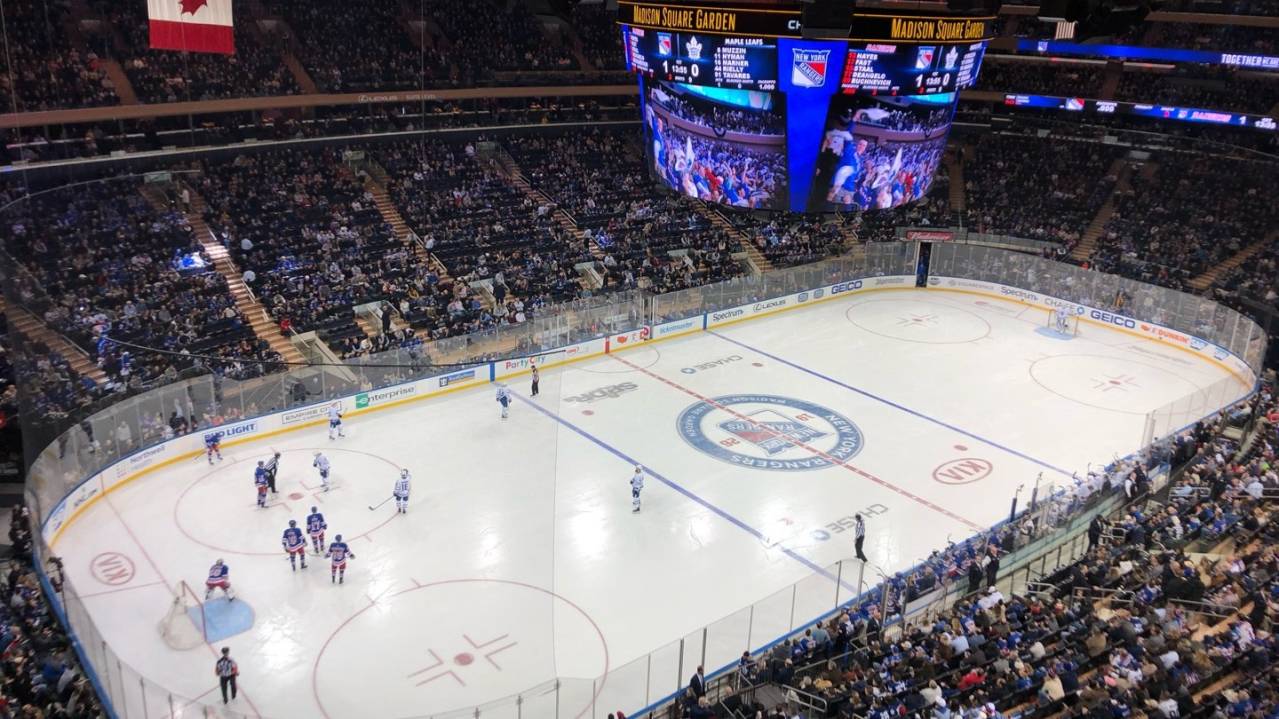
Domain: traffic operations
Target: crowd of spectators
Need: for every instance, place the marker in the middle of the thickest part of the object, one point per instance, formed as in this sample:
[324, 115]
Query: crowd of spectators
[1185, 214]
[787, 239]
[1242, 39]
[642, 239]
[41, 677]
[361, 46]
[1203, 87]
[167, 76]
[306, 233]
[1041, 187]
[40, 69]
[483, 37]
[484, 230]
[600, 36]
[1041, 78]
[1141, 625]
[720, 117]
[105, 267]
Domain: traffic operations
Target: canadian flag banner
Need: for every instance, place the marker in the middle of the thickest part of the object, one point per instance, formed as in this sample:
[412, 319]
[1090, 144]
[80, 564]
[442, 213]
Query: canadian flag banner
[191, 25]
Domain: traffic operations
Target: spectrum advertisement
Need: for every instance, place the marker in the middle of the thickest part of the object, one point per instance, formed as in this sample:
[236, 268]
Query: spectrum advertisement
[1162, 112]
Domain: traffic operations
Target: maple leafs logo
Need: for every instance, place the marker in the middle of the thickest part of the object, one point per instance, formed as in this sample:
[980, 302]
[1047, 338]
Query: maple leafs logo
[191, 6]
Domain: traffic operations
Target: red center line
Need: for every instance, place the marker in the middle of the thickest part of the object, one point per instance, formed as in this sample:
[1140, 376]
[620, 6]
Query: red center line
[835, 462]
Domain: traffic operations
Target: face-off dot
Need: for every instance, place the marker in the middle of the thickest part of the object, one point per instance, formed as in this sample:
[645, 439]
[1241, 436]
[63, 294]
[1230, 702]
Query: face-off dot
[757, 364]
[463, 658]
[961, 447]
[588, 412]
[295, 495]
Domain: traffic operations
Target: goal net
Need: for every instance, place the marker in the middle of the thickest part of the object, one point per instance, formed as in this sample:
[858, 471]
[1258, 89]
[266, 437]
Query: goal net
[1063, 320]
[183, 626]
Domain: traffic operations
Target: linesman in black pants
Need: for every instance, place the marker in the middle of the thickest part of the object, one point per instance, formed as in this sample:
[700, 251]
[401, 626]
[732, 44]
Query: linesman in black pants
[227, 671]
[536, 380]
[859, 532]
[272, 466]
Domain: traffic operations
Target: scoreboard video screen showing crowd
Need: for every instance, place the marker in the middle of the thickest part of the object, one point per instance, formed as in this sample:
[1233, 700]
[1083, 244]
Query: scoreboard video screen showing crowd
[740, 109]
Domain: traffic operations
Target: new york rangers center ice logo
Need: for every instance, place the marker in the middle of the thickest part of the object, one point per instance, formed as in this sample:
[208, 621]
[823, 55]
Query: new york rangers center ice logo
[764, 431]
[808, 68]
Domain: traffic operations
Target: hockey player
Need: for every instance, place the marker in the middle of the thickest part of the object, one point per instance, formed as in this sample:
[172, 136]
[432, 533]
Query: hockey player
[401, 492]
[504, 399]
[294, 545]
[537, 380]
[322, 463]
[272, 466]
[637, 484]
[259, 481]
[315, 527]
[335, 422]
[213, 445]
[338, 553]
[219, 578]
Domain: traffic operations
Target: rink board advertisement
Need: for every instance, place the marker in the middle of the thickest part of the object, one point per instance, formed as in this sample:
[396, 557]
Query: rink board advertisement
[189, 446]
[1107, 318]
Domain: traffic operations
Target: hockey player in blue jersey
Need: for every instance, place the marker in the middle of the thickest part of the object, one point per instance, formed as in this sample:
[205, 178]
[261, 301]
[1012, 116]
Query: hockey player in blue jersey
[219, 578]
[504, 399]
[259, 481]
[315, 527]
[294, 545]
[338, 553]
[321, 463]
[213, 445]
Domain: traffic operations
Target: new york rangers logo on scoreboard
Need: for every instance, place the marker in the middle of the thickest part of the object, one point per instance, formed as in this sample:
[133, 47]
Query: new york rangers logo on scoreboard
[664, 44]
[808, 68]
[924, 57]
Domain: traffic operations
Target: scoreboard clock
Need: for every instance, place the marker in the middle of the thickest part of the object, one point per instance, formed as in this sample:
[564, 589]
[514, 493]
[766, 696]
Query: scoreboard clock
[742, 63]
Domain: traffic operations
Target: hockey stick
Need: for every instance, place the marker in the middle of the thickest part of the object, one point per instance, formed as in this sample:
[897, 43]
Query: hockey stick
[379, 504]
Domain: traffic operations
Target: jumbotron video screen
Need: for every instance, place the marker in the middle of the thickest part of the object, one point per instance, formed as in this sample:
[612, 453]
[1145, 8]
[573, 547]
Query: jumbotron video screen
[770, 120]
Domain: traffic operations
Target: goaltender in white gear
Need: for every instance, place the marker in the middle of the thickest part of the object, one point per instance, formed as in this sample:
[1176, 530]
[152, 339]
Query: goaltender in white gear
[637, 485]
[401, 492]
[322, 463]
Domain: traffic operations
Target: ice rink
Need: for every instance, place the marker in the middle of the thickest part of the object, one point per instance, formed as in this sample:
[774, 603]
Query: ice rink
[520, 559]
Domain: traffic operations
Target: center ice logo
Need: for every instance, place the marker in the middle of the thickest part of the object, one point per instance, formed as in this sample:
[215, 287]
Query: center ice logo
[764, 431]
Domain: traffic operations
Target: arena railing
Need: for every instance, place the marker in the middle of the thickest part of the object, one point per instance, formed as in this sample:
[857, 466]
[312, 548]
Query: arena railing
[121, 435]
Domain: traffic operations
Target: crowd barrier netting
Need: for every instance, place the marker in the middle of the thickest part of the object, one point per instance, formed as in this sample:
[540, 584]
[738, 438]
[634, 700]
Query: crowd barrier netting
[66, 449]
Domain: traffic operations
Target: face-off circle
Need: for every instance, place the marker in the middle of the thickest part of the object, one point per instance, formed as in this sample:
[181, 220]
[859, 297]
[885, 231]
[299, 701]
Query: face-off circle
[764, 431]
[456, 644]
[358, 477]
[919, 321]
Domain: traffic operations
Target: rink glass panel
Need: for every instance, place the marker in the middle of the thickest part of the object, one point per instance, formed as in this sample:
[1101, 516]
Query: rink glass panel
[64, 449]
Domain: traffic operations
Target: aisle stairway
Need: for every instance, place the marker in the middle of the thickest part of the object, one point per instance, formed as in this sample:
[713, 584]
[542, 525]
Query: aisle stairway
[1204, 281]
[376, 185]
[757, 258]
[958, 197]
[34, 329]
[1088, 241]
[253, 312]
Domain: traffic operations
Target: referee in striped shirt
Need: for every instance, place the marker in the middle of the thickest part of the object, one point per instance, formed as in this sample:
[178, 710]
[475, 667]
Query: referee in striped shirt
[272, 466]
[859, 532]
[227, 670]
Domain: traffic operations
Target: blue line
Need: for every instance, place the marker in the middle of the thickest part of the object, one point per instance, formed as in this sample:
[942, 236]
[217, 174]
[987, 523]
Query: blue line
[891, 403]
[648, 468]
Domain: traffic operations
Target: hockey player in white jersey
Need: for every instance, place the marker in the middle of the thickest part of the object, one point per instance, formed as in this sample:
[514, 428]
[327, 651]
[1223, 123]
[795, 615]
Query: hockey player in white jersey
[504, 399]
[335, 422]
[637, 484]
[322, 463]
[401, 492]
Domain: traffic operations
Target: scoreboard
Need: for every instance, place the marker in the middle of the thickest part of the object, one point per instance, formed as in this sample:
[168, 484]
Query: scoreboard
[887, 69]
[751, 63]
[742, 63]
